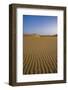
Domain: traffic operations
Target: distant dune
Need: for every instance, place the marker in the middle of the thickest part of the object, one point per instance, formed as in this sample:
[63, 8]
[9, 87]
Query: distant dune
[34, 34]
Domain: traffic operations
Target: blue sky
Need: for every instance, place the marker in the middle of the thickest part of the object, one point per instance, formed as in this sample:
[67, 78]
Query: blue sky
[43, 25]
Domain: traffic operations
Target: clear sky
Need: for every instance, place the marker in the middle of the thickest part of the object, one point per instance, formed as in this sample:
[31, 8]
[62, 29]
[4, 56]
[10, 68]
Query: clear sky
[43, 25]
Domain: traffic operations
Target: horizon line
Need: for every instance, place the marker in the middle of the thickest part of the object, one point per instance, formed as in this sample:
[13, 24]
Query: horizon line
[37, 34]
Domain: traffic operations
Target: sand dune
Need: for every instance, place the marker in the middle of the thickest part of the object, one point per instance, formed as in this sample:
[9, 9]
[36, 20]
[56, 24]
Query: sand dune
[40, 54]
